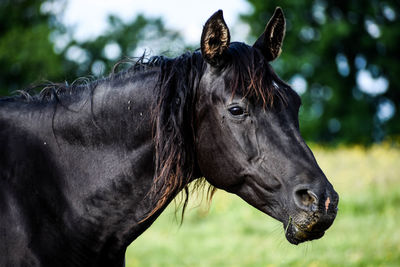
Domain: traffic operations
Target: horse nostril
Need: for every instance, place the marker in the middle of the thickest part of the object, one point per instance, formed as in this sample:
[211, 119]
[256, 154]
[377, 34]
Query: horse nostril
[306, 198]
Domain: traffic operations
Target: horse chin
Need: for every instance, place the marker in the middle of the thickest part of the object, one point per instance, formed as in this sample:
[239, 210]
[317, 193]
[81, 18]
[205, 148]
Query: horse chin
[296, 235]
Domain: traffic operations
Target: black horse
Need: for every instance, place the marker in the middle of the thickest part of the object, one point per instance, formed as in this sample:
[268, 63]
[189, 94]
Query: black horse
[85, 169]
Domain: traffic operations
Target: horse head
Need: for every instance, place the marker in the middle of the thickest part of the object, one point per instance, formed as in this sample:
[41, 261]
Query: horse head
[247, 137]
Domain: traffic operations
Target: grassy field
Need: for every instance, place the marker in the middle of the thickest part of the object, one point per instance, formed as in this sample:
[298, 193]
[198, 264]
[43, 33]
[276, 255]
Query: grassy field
[232, 233]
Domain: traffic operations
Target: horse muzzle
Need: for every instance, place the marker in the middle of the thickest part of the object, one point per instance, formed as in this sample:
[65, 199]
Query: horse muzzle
[314, 214]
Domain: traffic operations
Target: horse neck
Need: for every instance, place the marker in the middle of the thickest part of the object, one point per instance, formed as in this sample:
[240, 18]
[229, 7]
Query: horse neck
[100, 150]
[113, 157]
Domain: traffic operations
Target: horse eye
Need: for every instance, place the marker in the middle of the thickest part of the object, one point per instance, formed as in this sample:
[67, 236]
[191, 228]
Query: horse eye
[236, 111]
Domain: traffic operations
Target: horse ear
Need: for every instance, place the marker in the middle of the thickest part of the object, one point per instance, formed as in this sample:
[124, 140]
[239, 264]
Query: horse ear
[270, 42]
[215, 39]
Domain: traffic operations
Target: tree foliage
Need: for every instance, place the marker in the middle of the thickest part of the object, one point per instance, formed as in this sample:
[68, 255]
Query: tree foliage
[342, 56]
[35, 47]
[26, 53]
[120, 42]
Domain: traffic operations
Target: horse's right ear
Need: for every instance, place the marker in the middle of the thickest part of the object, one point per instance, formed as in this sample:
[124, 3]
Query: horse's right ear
[215, 39]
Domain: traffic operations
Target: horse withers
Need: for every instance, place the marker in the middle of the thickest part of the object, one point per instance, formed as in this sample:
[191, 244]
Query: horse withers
[85, 169]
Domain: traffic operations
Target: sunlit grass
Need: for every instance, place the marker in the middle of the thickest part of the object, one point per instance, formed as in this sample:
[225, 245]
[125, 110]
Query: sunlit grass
[232, 233]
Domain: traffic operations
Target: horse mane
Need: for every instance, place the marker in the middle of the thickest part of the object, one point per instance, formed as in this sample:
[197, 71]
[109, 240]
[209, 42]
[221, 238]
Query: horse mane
[173, 120]
[49, 91]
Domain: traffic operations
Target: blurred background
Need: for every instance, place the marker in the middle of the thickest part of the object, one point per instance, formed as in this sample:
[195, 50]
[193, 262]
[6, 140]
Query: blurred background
[342, 57]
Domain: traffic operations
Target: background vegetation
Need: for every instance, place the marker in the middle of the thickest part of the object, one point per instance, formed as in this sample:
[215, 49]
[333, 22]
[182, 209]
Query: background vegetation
[365, 232]
[343, 59]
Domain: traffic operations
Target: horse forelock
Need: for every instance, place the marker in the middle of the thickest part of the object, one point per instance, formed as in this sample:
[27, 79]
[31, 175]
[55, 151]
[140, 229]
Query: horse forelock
[253, 77]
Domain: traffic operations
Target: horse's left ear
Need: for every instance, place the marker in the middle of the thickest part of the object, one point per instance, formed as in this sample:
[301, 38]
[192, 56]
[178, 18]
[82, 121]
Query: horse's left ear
[215, 39]
[270, 42]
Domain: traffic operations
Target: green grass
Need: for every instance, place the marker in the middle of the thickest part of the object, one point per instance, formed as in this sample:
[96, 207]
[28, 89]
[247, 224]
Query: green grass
[232, 233]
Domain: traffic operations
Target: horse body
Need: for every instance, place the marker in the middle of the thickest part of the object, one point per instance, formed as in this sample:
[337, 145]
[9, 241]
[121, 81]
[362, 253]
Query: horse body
[85, 169]
[70, 196]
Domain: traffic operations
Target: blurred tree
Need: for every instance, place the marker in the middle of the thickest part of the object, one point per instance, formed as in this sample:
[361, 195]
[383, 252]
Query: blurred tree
[343, 58]
[123, 40]
[35, 46]
[26, 53]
